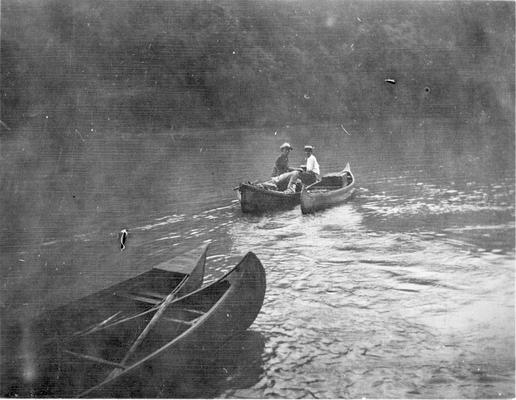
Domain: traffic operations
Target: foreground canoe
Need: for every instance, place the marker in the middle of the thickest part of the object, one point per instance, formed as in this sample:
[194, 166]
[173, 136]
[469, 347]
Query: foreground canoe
[255, 199]
[58, 347]
[95, 363]
[332, 189]
[193, 324]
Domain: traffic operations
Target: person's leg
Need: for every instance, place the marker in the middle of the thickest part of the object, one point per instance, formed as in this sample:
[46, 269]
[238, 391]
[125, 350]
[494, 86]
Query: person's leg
[277, 182]
[307, 177]
[291, 187]
[283, 178]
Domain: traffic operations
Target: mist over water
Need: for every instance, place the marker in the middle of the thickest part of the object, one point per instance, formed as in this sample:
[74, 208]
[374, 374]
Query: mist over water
[406, 291]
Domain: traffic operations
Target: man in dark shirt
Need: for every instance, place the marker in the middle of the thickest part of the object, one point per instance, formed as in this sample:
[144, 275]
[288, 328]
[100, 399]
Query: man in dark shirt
[281, 165]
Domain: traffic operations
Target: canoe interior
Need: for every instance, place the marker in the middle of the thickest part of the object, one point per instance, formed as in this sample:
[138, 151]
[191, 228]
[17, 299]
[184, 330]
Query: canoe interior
[124, 299]
[127, 298]
[113, 343]
[332, 182]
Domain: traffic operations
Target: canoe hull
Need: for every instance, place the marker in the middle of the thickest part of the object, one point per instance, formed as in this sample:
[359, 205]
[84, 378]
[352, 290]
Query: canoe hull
[321, 196]
[255, 200]
[232, 313]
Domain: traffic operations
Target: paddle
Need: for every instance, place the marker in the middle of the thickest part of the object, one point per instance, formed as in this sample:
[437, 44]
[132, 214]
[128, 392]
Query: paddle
[312, 184]
[123, 320]
[150, 325]
[95, 327]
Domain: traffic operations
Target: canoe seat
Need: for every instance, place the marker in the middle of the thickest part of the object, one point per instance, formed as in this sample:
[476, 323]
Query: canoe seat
[190, 310]
[332, 180]
[148, 293]
[94, 359]
[191, 313]
[181, 321]
[140, 298]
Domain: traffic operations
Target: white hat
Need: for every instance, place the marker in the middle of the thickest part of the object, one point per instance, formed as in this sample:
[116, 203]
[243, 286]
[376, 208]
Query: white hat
[308, 147]
[287, 145]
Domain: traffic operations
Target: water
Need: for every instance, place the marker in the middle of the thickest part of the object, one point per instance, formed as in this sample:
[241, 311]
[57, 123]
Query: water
[405, 291]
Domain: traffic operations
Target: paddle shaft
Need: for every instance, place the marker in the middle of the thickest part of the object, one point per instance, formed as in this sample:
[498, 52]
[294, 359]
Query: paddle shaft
[154, 320]
[160, 310]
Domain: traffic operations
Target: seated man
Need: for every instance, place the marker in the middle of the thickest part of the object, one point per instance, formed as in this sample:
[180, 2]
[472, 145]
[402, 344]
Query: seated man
[281, 172]
[311, 171]
[281, 165]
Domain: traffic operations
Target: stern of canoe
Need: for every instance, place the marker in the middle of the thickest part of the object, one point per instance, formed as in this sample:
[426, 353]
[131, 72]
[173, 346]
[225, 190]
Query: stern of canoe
[255, 200]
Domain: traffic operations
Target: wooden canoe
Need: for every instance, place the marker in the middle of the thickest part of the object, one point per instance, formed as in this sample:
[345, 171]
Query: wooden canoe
[196, 323]
[64, 339]
[332, 189]
[90, 365]
[255, 199]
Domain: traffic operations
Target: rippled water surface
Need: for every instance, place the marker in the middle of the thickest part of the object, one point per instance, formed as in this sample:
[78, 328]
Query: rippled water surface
[407, 290]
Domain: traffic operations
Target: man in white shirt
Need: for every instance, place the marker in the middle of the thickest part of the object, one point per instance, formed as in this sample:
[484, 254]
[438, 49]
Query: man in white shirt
[311, 172]
[312, 166]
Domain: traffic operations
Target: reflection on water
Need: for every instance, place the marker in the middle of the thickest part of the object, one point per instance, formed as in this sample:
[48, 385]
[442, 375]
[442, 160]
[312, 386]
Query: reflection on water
[405, 291]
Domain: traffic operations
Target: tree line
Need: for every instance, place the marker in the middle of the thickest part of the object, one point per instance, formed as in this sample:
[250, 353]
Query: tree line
[180, 64]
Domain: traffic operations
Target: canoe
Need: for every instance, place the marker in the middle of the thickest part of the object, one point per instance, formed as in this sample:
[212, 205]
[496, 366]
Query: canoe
[332, 189]
[192, 325]
[255, 199]
[95, 363]
[50, 338]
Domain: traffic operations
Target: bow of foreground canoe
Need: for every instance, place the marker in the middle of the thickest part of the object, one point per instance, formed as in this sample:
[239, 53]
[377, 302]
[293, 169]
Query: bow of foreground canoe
[333, 189]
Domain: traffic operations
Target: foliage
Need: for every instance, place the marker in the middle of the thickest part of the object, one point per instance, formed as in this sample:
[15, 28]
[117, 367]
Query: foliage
[250, 63]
